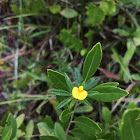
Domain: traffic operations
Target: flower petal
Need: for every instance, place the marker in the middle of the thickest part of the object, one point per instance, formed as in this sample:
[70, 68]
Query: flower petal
[75, 92]
[83, 94]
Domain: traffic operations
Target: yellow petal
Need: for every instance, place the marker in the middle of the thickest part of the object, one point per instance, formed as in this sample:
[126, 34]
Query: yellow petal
[81, 88]
[83, 94]
[75, 92]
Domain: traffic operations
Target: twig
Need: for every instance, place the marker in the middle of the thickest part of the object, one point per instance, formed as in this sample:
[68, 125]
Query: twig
[129, 100]
[40, 50]
[130, 16]
[66, 1]
[5, 16]
[134, 9]
[121, 99]
[70, 121]
[16, 62]
[13, 55]
[132, 66]
[109, 74]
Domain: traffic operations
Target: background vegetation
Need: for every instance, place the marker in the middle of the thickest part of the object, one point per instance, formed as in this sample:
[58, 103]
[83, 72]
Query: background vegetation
[36, 35]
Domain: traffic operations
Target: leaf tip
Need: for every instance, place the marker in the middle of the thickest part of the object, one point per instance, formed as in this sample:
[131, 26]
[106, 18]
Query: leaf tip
[48, 70]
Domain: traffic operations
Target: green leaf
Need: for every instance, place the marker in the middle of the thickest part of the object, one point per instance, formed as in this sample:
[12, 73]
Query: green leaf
[92, 93]
[68, 81]
[83, 109]
[70, 138]
[85, 101]
[92, 61]
[121, 20]
[83, 52]
[12, 122]
[33, 35]
[4, 119]
[108, 93]
[29, 130]
[65, 115]
[64, 102]
[72, 102]
[87, 125]
[87, 22]
[81, 136]
[54, 9]
[110, 136]
[36, 6]
[89, 36]
[108, 7]
[35, 76]
[59, 92]
[136, 2]
[23, 82]
[131, 105]
[44, 129]
[48, 120]
[121, 32]
[95, 14]
[91, 83]
[77, 76]
[19, 133]
[70, 41]
[138, 119]
[48, 138]
[69, 13]
[106, 114]
[6, 134]
[123, 64]
[15, 9]
[131, 48]
[136, 77]
[115, 84]
[27, 2]
[136, 36]
[20, 120]
[130, 129]
[58, 79]
[59, 131]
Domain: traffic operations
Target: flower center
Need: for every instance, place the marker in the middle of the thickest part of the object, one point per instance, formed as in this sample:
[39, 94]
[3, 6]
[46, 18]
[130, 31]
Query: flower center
[81, 88]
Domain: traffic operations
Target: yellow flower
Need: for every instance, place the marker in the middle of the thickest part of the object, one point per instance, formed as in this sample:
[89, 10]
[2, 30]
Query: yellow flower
[79, 93]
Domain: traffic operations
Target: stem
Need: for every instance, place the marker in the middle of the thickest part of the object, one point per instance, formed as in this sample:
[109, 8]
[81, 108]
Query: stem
[68, 13]
[17, 44]
[67, 130]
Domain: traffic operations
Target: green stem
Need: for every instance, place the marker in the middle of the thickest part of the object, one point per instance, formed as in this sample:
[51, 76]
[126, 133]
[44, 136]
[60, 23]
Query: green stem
[67, 130]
